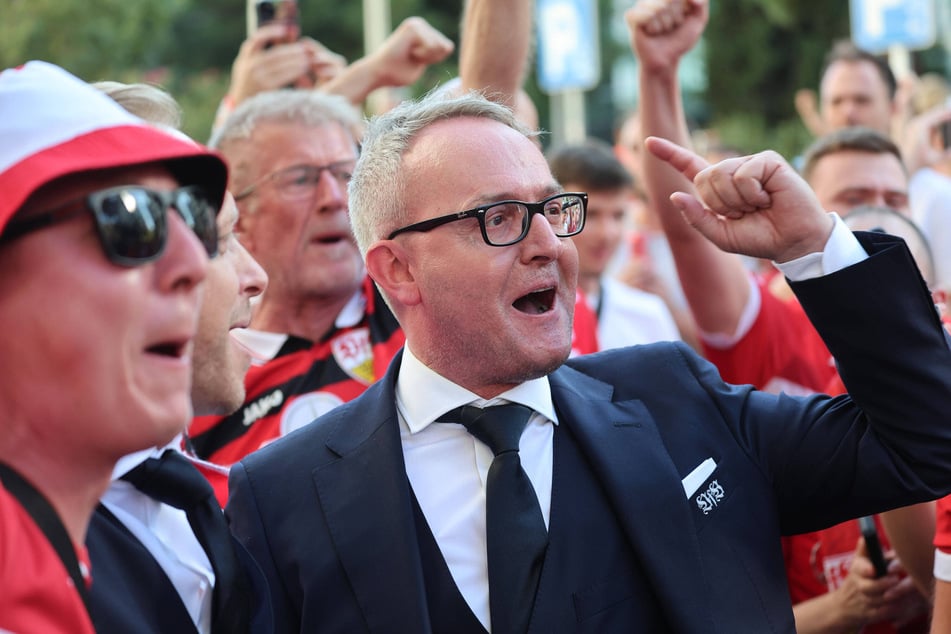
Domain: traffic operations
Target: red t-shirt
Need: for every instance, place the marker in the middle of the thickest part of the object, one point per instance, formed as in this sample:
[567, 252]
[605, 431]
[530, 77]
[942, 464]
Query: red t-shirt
[37, 595]
[584, 335]
[942, 537]
[781, 351]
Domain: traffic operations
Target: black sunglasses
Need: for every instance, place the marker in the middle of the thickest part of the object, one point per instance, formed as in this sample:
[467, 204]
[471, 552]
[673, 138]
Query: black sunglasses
[132, 221]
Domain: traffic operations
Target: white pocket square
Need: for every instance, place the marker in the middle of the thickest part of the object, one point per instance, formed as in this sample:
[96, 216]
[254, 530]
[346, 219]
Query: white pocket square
[698, 476]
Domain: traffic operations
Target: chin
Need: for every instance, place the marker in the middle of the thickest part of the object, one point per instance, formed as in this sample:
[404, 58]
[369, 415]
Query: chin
[544, 361]
[218, 402]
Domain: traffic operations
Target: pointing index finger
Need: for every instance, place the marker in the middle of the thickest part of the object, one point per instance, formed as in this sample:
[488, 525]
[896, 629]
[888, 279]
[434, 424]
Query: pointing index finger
[681, 159]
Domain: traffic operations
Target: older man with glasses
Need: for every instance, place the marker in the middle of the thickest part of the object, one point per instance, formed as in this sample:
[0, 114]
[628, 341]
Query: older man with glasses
[320, 334]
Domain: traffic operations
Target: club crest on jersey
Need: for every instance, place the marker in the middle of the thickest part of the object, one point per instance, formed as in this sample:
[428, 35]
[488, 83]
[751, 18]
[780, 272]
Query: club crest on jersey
[354, 355]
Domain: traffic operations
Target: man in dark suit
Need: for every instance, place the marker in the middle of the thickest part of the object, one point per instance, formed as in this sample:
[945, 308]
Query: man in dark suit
[659, 493]
[154, 570]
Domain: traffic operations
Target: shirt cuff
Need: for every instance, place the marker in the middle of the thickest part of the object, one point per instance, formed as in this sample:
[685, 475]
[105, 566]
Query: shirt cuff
[842, 250]
[942, 565]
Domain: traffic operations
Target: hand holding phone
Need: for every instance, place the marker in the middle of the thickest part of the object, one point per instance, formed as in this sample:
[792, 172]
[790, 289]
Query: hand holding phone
[873, 545]
[263, 12]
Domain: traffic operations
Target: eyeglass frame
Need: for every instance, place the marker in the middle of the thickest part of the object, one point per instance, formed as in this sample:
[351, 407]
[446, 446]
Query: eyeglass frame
[479, 214]
[320, 169]
[88, 204]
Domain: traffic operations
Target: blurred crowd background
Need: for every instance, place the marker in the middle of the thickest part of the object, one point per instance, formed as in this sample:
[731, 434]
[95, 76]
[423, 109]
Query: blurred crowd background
[742, 80]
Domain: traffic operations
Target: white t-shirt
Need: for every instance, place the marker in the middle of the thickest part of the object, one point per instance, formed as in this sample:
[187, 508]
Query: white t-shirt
[629, 316]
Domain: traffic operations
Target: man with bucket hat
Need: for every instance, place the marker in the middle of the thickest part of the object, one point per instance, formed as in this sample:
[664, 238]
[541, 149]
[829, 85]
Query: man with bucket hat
[106, 227]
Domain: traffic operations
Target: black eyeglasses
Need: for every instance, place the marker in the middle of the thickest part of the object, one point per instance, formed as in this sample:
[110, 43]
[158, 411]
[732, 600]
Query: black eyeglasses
[132, 221]
[507, 221]
[298, 181]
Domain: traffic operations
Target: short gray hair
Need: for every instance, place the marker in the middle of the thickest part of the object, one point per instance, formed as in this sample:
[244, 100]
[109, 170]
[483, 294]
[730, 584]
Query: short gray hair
[376, 190]
[145, 101]
[306, 107]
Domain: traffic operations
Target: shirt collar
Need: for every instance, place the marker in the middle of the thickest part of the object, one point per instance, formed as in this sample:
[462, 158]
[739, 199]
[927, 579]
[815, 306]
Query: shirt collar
[422, 395]
[264, 345]
[126, 463]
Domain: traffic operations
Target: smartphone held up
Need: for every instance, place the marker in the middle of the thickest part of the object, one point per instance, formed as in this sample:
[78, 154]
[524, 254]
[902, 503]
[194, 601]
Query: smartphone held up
[264, 12]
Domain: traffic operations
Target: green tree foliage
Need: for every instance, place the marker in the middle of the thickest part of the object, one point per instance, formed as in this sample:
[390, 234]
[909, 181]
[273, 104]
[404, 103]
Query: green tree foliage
[184, 46]
[95, 39]
[759, 53]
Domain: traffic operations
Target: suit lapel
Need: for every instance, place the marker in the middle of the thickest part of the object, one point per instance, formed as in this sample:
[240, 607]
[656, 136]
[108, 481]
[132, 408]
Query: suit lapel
[625, 450]
[366, 500]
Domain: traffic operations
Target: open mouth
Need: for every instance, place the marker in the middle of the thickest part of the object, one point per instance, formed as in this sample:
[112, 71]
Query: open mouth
[330, 238]
[172, 349]
[536, 303]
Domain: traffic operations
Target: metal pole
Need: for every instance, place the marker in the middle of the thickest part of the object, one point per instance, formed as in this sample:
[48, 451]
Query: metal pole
[568, 117]
[376, 28]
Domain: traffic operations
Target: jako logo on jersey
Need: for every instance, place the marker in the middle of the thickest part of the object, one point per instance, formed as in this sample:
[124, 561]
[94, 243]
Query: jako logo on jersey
[259, 408]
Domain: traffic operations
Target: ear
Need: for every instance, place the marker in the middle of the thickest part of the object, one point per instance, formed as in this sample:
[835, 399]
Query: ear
[389, 265]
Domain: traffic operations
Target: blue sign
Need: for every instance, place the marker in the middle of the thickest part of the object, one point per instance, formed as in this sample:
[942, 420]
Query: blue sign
[880, 24]
[568, 56]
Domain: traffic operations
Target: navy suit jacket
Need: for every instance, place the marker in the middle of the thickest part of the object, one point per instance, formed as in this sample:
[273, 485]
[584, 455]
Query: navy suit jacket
[326, 512]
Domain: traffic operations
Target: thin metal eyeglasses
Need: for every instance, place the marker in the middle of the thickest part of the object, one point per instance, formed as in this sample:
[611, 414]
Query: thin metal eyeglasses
[298, 181]
[506, 222]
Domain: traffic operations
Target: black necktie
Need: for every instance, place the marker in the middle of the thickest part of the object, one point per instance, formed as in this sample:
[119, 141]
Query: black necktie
[175, 481]
[516, 537]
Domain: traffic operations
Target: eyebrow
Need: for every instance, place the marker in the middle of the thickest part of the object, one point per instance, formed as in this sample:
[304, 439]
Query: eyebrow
[550, 190]
[871, 190]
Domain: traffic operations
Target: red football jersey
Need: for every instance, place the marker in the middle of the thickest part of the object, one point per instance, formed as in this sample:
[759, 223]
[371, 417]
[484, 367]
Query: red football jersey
[37, 592]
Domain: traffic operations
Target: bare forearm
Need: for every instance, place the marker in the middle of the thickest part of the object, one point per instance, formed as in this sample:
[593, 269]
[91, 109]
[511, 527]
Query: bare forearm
[941, 615]
[822, 615]
[910, 531]
[496, 38]
[714, 282]
[356, 81]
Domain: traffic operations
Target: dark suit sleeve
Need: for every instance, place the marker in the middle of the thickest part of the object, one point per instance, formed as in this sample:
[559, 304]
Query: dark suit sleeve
[887, 443]
[880, 323]
[254, 551]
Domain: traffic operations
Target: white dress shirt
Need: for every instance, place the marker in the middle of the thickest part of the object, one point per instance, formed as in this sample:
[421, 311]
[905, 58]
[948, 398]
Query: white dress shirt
[447, 466]
[166, 533]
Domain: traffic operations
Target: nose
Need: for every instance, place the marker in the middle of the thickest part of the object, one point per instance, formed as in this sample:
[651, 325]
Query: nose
[251, 276]
[184, 262]
[331, 193]
[878, 200]
[541, 241]
[852, 109]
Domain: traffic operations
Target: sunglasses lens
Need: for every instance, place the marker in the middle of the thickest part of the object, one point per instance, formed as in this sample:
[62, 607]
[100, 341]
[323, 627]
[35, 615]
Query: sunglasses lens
[199, 211]
[132, 224]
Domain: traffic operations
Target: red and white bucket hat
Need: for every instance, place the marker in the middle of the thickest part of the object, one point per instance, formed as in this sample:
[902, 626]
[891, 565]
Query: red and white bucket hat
[53, 124]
